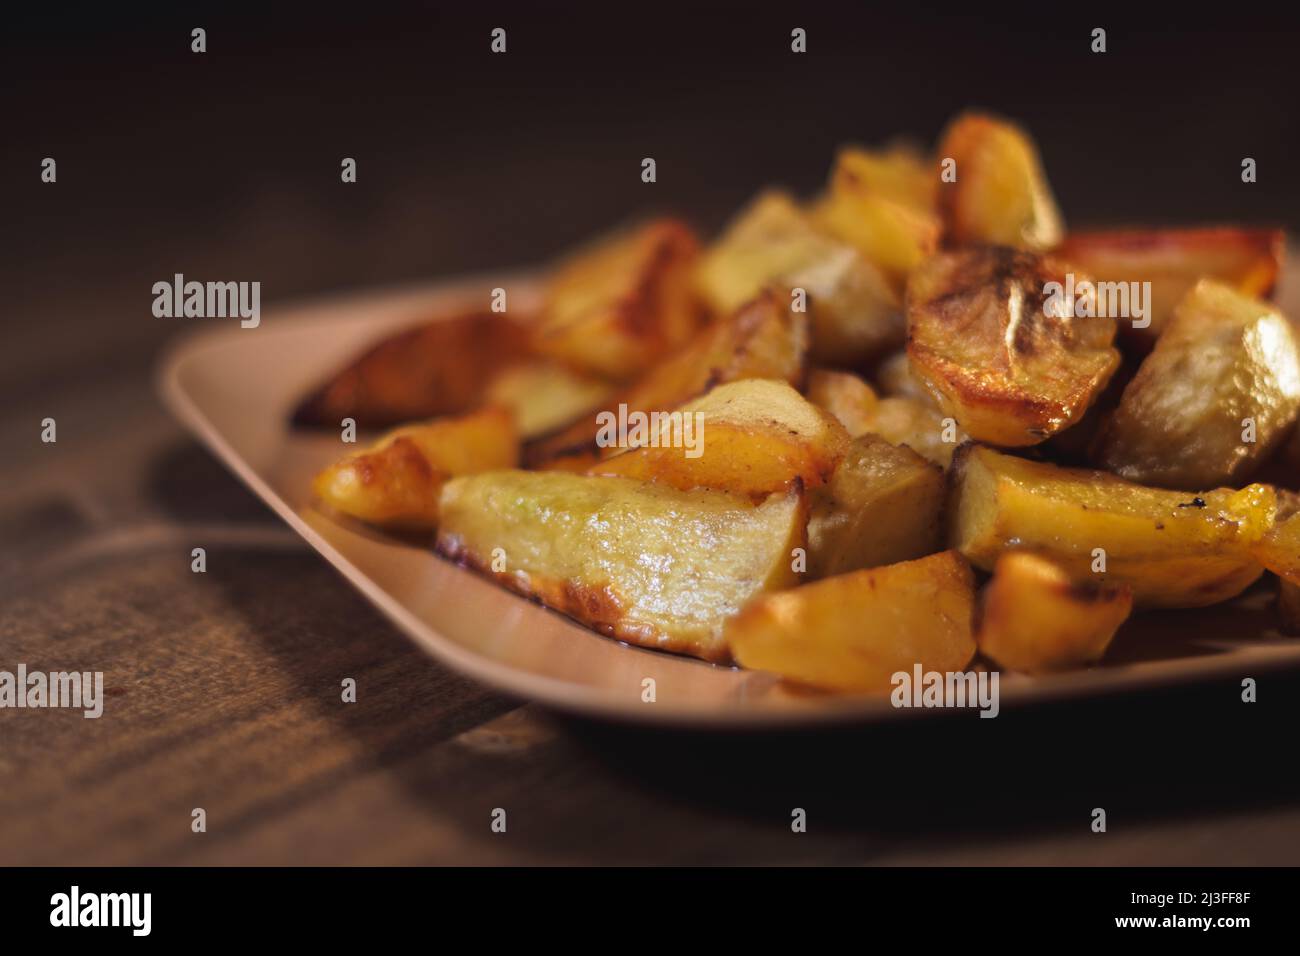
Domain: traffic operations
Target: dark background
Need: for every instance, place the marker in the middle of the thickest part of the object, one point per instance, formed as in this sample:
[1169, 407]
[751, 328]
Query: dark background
[225, 165]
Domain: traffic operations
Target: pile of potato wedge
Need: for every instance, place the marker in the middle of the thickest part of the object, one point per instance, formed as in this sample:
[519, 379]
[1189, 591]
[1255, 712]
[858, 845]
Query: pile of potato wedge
[909, 451]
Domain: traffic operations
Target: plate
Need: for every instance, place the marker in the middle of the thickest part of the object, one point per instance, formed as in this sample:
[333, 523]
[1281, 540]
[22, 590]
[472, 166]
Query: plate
[234, 389]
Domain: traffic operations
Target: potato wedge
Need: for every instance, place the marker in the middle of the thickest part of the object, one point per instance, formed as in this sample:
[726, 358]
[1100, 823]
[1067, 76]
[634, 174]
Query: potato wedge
[438, 368]
[1173, 260]
[615, 307]
[854, 312]
[882, 204]
[545, 395]
[1174, 549]
[988, 339]
[1001, 194]
[1035, 619]
[1218, 393]
[851, 400]
[763, 339]
[751, 437]
[644, 563]
[883, 505]
[854, 631]
[396, 482]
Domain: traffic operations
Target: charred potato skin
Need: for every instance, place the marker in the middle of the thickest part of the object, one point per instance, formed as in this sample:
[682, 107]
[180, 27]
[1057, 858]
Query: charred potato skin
[854, 631]
[985, 339]
[1173, 549]
[1223, 359]
[1033, 618]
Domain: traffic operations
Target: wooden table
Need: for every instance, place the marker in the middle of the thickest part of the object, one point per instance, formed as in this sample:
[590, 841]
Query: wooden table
[224, 686]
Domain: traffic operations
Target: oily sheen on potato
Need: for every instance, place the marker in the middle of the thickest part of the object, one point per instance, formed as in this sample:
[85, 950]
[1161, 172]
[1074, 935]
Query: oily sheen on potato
[648, 564]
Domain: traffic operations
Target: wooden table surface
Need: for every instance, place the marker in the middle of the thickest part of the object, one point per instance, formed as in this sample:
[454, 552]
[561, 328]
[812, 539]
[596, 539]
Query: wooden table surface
[223, 688]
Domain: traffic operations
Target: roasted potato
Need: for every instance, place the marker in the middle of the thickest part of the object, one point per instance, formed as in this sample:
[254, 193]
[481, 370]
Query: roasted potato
[751, 437]
[614, 308]
[854, 631]
[545, 395]
[882, 204]
[438, 368]
[882, 505]
[1279, 549]
[1217, 394]
[854, 312]
[1172, 260]
[1174, 549]
[1035, 619]
[918, 425]
[1000, 195]
[851, 400]
[762, 339]
[648, 564]
[999, 351]
[397, 480]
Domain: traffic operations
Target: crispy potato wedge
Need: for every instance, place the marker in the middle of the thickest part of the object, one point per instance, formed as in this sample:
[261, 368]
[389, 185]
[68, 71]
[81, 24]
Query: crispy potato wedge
[396, 482]
[883, 204]
[545, 395]
[1001, 194]
[854, 312]
[882, 505]
[1035, 619]
[1218, 393]
[751, 437]
[854, 631]
[988, 339]
[1173, 260]
[1174, 549]
[851, 400]
[438, 368]
[615, 307]
[644, 563]
[763, 339]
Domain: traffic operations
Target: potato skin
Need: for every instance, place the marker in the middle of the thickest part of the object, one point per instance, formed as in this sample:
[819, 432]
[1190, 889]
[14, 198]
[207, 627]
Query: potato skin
[644, 563]
[1035, 619]
[1223, 358]
[854, 631]
[396, 482]
[1001, 193]
[986, 340]
[1174, 549]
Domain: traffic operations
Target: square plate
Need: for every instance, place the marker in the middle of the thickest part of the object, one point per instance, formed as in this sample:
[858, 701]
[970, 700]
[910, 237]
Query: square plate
[234, 389]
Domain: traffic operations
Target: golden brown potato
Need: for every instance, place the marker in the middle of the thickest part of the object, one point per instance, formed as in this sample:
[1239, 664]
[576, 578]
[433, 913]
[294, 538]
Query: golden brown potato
[1279, 549]
[1172, 260]
[854, 312]
[854, 631]
[1215, 396]
[645, 563]
[882, 505]
[397, 480]
[615, 307]
[844, 395]
[882, 204]
[763, 339]
[438, 368]
[996, 344]
[751, 437]
[545, 395]
[1001, 194]
[1036, 619]
[1174, 549]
